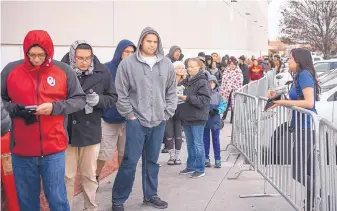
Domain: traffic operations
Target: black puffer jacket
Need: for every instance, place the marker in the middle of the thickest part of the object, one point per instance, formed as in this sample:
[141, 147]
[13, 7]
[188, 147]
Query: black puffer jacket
[196, 108]
[5, 120]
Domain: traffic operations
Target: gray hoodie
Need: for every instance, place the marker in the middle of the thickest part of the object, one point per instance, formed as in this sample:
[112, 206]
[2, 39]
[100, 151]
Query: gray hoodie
[149, 95]
[171, 52]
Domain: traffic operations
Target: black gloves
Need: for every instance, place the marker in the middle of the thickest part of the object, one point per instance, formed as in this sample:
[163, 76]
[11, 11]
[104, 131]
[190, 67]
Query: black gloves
[213, 112]
[20, 111]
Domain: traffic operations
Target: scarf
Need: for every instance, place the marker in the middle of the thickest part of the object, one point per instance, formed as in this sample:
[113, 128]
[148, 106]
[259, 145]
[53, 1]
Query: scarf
[72, 55]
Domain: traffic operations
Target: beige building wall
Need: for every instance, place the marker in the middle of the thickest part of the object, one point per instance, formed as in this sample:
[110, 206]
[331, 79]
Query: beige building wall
[210, 26]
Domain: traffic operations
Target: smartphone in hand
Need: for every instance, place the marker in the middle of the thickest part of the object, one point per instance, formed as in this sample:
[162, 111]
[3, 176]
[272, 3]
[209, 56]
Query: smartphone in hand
[31, 109]
[270, 101]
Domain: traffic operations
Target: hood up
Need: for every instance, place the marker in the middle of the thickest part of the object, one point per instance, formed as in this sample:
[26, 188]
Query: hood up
[160, 50]
[42, 39]
[117, 58]
[171, 52]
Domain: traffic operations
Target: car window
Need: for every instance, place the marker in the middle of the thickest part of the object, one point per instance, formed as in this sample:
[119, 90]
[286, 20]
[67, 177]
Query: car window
[334, 65]
[333, 97]
[322, 67]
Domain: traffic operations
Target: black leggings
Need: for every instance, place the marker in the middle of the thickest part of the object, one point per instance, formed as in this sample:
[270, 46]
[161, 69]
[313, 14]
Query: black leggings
[173, 131]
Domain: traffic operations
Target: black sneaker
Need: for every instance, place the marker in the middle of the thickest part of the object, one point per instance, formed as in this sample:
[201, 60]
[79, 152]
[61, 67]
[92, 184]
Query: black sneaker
[197, 175]
[186, 171]
[177, 162]
[155, 202]
[170, 162]
[117, 207]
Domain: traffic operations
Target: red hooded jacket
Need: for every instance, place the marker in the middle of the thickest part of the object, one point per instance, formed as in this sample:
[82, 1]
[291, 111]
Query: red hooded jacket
[52, 82]
[255, 72]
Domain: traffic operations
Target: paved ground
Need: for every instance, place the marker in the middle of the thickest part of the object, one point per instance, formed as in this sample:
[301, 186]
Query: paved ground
[214, 192]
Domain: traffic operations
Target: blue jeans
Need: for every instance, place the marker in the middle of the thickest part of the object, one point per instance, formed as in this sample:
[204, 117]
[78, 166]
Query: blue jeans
[195, 147]
[140, 142]
[28, 172]
[215, 141]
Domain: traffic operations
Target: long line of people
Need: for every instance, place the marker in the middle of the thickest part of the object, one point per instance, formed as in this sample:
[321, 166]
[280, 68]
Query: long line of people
[71, 115]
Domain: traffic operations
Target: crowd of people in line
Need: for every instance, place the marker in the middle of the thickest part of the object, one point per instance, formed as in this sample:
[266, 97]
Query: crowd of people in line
[72, 114]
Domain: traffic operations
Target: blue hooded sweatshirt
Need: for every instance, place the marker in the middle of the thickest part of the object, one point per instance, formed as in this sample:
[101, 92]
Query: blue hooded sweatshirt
[111, 115]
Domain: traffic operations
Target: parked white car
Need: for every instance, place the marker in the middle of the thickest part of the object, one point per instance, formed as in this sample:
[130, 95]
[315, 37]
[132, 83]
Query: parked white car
[327, 105]
[325, 65]
[317, 58]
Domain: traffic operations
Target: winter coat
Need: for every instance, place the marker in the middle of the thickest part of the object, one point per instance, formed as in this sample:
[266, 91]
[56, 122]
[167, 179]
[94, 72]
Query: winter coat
[85, 129]
[23, 84]
[255, 72]
[6, 121]
[196, 107]
[217, 74]
[231, 81]
[245, 72]
[218, 105]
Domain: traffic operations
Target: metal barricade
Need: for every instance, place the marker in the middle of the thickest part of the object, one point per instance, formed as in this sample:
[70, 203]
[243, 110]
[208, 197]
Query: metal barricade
[328, 165]
[287, 149]
[244, 89]
[292, 148]
[252, 88]
[244, 136]
[256, 88]
[262, 87]
[270, 75]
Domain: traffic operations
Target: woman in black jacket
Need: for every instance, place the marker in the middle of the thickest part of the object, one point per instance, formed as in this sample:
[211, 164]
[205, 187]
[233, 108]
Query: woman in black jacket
[194, 114]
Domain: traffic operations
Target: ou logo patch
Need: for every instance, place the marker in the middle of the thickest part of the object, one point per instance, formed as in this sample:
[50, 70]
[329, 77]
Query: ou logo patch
[51, 81]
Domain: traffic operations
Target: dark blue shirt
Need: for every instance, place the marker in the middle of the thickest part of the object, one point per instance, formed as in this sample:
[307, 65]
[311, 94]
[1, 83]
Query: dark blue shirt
[304, 80]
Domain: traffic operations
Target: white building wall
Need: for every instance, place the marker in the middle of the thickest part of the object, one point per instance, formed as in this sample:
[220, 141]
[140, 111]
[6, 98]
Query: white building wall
[210, 26]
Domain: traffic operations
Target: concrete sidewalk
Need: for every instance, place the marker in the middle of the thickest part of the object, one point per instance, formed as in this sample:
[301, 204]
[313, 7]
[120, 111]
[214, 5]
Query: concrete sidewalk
[214, 192]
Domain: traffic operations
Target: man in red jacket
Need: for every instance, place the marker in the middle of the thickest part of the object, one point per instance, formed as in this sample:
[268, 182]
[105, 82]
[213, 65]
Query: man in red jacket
[255, 71]
[51, 91]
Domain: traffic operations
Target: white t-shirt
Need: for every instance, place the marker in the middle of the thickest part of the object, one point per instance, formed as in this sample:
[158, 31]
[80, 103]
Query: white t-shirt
[150, 60]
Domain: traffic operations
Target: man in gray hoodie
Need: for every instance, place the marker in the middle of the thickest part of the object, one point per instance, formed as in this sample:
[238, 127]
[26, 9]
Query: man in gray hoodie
[146, 88]
[175, 54]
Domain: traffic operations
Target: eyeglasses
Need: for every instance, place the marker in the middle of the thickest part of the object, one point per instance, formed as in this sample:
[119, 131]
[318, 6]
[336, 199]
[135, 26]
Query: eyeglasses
[82, 59]
[40, 56]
